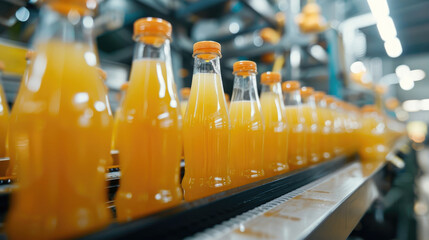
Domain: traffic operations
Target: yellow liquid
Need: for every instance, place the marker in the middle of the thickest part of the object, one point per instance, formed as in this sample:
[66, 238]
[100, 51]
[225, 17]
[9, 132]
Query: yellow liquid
[325, 122]
[338, 133]
[276, 134]
[297, 145]
[247, 139]
[314, 134]
[206, 136]
[4, 123]
[183, 106]
[373, 140]
[60, 132]
[149, 143]
[115, 129]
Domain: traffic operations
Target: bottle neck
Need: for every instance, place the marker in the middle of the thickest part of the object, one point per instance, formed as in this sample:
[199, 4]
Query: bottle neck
[309, 100]
[273, 87]
[204, 65]
[245, 88]
[292, 98]
[70, 28]
[160, 52]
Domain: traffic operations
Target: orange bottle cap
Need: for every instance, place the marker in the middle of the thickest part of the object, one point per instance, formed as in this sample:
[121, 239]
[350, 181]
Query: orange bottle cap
[368, 108]
[185, 92]
[152, 30]
[207, 49]
[329, 99]
[2, 66]
[318, 95]
[244, 67]
[306, 91]
[65, 6]
[102, 74]
[124, 86]
[30, 54]
[289, 86]
[270, 77]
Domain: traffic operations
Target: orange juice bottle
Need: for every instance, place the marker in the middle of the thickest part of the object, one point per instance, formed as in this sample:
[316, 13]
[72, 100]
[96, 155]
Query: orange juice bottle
[207, 127]
[337, 125]
[332, 143]
[325, 123]
[60, 132]
[247, 127]
[11, 171]
[184, 92]
[373, 137]
[150, 125]
[276, 131]
[122, 94]
[297, 146]
[4, 116]
[312, 125]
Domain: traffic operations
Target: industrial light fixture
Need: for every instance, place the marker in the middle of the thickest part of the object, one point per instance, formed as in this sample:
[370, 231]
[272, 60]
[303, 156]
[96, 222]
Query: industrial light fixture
[379, 8]
[407, 77]
[357, 67]
[386, 27]
[416, 105]
[393, 47]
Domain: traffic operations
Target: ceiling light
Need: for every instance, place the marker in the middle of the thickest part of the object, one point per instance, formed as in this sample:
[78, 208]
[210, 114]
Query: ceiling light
[406, 83]
[357, 67]
[379, 8]
[393, 47]
[234, 27]
[22, 14]
[386, 28]
[417, 74]
[402, 71]
[424, 104]
[411, 105]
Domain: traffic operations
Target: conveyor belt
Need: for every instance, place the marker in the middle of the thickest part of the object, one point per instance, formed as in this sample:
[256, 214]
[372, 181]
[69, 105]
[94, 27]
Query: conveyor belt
[192, 217]
[329, 208]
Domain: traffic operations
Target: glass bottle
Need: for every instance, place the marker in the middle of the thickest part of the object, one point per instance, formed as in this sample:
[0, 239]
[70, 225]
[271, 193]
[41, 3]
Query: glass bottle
[184, 92]
[337, 125]
[297, 147]
[373, 135]
[120, 98]
[276, 131]
[60, 131]
[312, 125]
[150, 126]
[207, 127]
[4, 116]
[247, 126]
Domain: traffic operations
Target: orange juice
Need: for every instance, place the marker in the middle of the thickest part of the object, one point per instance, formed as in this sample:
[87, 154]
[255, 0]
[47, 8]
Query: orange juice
[124, 88]
[337, 123]
[324, 124]
[4, 117]
[247, 127]
[206, 127]
[276, 134]
[330, 120]
[373, 136]
[149, 129]
[60, 133]
[312, 125]
[11, 171]
[297, 145]
[184, 92]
